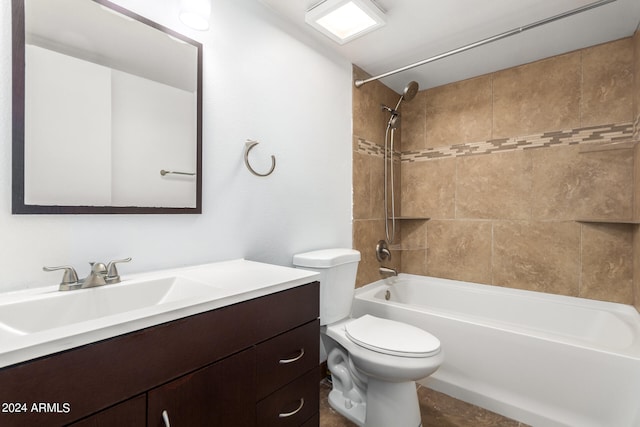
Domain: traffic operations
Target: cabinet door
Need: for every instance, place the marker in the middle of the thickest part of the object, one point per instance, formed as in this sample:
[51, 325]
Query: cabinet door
[131, 413]
[221, 394]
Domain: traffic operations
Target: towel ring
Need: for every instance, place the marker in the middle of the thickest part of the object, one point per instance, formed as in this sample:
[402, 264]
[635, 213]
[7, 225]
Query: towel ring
[248, 146]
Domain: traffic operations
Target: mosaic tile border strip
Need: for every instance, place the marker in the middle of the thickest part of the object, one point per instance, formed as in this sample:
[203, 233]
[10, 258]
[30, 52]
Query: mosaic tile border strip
[368, 147]
[602, 134]
[372, 149]
[617, 132]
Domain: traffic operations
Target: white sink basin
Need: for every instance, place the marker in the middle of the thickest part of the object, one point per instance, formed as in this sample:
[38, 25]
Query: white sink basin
[55, 309]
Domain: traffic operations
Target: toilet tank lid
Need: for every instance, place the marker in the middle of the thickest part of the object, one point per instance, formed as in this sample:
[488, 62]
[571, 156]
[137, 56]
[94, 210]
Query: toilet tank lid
[326, 258]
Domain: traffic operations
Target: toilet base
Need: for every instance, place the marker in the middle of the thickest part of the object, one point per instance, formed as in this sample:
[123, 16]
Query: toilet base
[387, 404]
[353, 411]
[392, 404]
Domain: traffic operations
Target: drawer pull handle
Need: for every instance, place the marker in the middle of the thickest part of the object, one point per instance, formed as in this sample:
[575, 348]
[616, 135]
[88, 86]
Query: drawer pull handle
[292, 413]
[165, 418]
[295, 359]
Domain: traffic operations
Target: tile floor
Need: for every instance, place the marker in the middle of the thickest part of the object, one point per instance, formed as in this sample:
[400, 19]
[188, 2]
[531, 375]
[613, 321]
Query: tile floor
[437, 409]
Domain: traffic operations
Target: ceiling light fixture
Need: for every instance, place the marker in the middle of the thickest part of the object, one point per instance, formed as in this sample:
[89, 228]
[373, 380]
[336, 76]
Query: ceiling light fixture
[345, 20]
[195, 13]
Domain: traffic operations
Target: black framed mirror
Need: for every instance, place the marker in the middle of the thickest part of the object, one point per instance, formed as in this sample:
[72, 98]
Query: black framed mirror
[107, 112]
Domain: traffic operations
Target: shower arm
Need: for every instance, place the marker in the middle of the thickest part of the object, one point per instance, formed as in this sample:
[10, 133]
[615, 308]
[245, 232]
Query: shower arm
[395, 110]
[360, 82]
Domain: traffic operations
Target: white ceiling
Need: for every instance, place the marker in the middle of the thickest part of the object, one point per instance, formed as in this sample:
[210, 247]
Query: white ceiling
[420, 29]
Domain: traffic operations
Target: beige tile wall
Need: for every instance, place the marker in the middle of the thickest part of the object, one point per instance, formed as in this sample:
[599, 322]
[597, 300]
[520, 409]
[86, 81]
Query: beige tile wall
[368, 179]
[525, 103]
[569, 184]
[509, 218]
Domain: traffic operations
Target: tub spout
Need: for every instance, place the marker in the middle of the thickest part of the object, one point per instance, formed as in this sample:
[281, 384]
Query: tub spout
[386, 271]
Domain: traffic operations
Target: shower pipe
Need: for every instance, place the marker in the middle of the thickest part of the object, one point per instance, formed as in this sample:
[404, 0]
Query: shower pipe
[360, 82]
[409, 92]
[388, 152]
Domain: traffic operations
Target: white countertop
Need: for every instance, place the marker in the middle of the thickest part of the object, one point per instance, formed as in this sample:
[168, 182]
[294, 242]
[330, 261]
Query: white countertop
[231, 282]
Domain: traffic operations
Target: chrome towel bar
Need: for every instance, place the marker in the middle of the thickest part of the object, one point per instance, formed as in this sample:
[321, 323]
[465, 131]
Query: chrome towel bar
[165, 172]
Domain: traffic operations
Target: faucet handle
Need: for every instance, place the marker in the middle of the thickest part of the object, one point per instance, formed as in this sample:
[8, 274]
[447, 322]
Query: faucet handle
[382, 251]
[69, 278]
[112, 271]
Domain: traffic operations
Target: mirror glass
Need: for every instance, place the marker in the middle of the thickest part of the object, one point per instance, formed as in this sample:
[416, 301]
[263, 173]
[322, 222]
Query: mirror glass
[106, 111]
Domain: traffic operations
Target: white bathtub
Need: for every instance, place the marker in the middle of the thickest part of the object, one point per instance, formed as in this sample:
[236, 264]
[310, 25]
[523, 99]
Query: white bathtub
[545, 360]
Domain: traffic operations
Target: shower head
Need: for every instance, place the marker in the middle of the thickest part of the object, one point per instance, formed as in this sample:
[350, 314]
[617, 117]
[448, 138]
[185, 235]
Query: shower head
[409, 92]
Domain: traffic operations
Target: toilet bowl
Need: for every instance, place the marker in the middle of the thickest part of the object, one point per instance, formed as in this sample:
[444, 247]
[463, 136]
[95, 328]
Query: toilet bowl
[374, 362]
[386, 360]
[386, 349]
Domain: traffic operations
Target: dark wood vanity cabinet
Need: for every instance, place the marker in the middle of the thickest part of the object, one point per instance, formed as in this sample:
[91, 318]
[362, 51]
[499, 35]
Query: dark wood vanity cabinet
[253, 363]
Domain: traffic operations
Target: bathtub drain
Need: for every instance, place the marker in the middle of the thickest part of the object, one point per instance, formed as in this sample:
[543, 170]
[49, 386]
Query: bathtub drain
[387, 295]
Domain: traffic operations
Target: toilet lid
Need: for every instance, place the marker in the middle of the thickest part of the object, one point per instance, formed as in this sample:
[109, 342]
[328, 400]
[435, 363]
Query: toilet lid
[391, 337]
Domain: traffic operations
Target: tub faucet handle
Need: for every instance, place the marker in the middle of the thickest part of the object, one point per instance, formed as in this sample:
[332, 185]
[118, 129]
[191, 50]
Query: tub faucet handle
[69, 278]
[112, 272]
[382, 251]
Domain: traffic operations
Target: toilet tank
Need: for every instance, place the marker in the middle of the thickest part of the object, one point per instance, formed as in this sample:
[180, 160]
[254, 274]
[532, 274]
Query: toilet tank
[337, 268]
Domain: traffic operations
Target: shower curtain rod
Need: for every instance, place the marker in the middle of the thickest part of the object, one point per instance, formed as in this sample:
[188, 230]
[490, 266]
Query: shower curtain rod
[361, 82]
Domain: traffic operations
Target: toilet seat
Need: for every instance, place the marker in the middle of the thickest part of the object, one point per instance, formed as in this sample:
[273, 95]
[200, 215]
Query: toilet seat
[391, 337]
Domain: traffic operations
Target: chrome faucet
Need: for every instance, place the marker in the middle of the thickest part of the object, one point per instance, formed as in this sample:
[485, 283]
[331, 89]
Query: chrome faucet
[99, 275]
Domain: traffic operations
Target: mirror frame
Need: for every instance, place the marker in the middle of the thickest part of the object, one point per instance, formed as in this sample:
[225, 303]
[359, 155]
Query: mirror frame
[18, 205]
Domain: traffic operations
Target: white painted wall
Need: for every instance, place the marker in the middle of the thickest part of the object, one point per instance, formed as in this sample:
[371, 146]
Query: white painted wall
[75, 114]
[260, 82]
[153, 129]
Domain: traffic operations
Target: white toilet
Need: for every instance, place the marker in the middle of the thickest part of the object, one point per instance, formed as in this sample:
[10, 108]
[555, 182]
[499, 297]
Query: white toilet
[374, 362]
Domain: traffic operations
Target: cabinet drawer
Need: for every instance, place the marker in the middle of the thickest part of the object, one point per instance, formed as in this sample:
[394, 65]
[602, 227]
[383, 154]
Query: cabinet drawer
[287, 356]
[292, 405]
